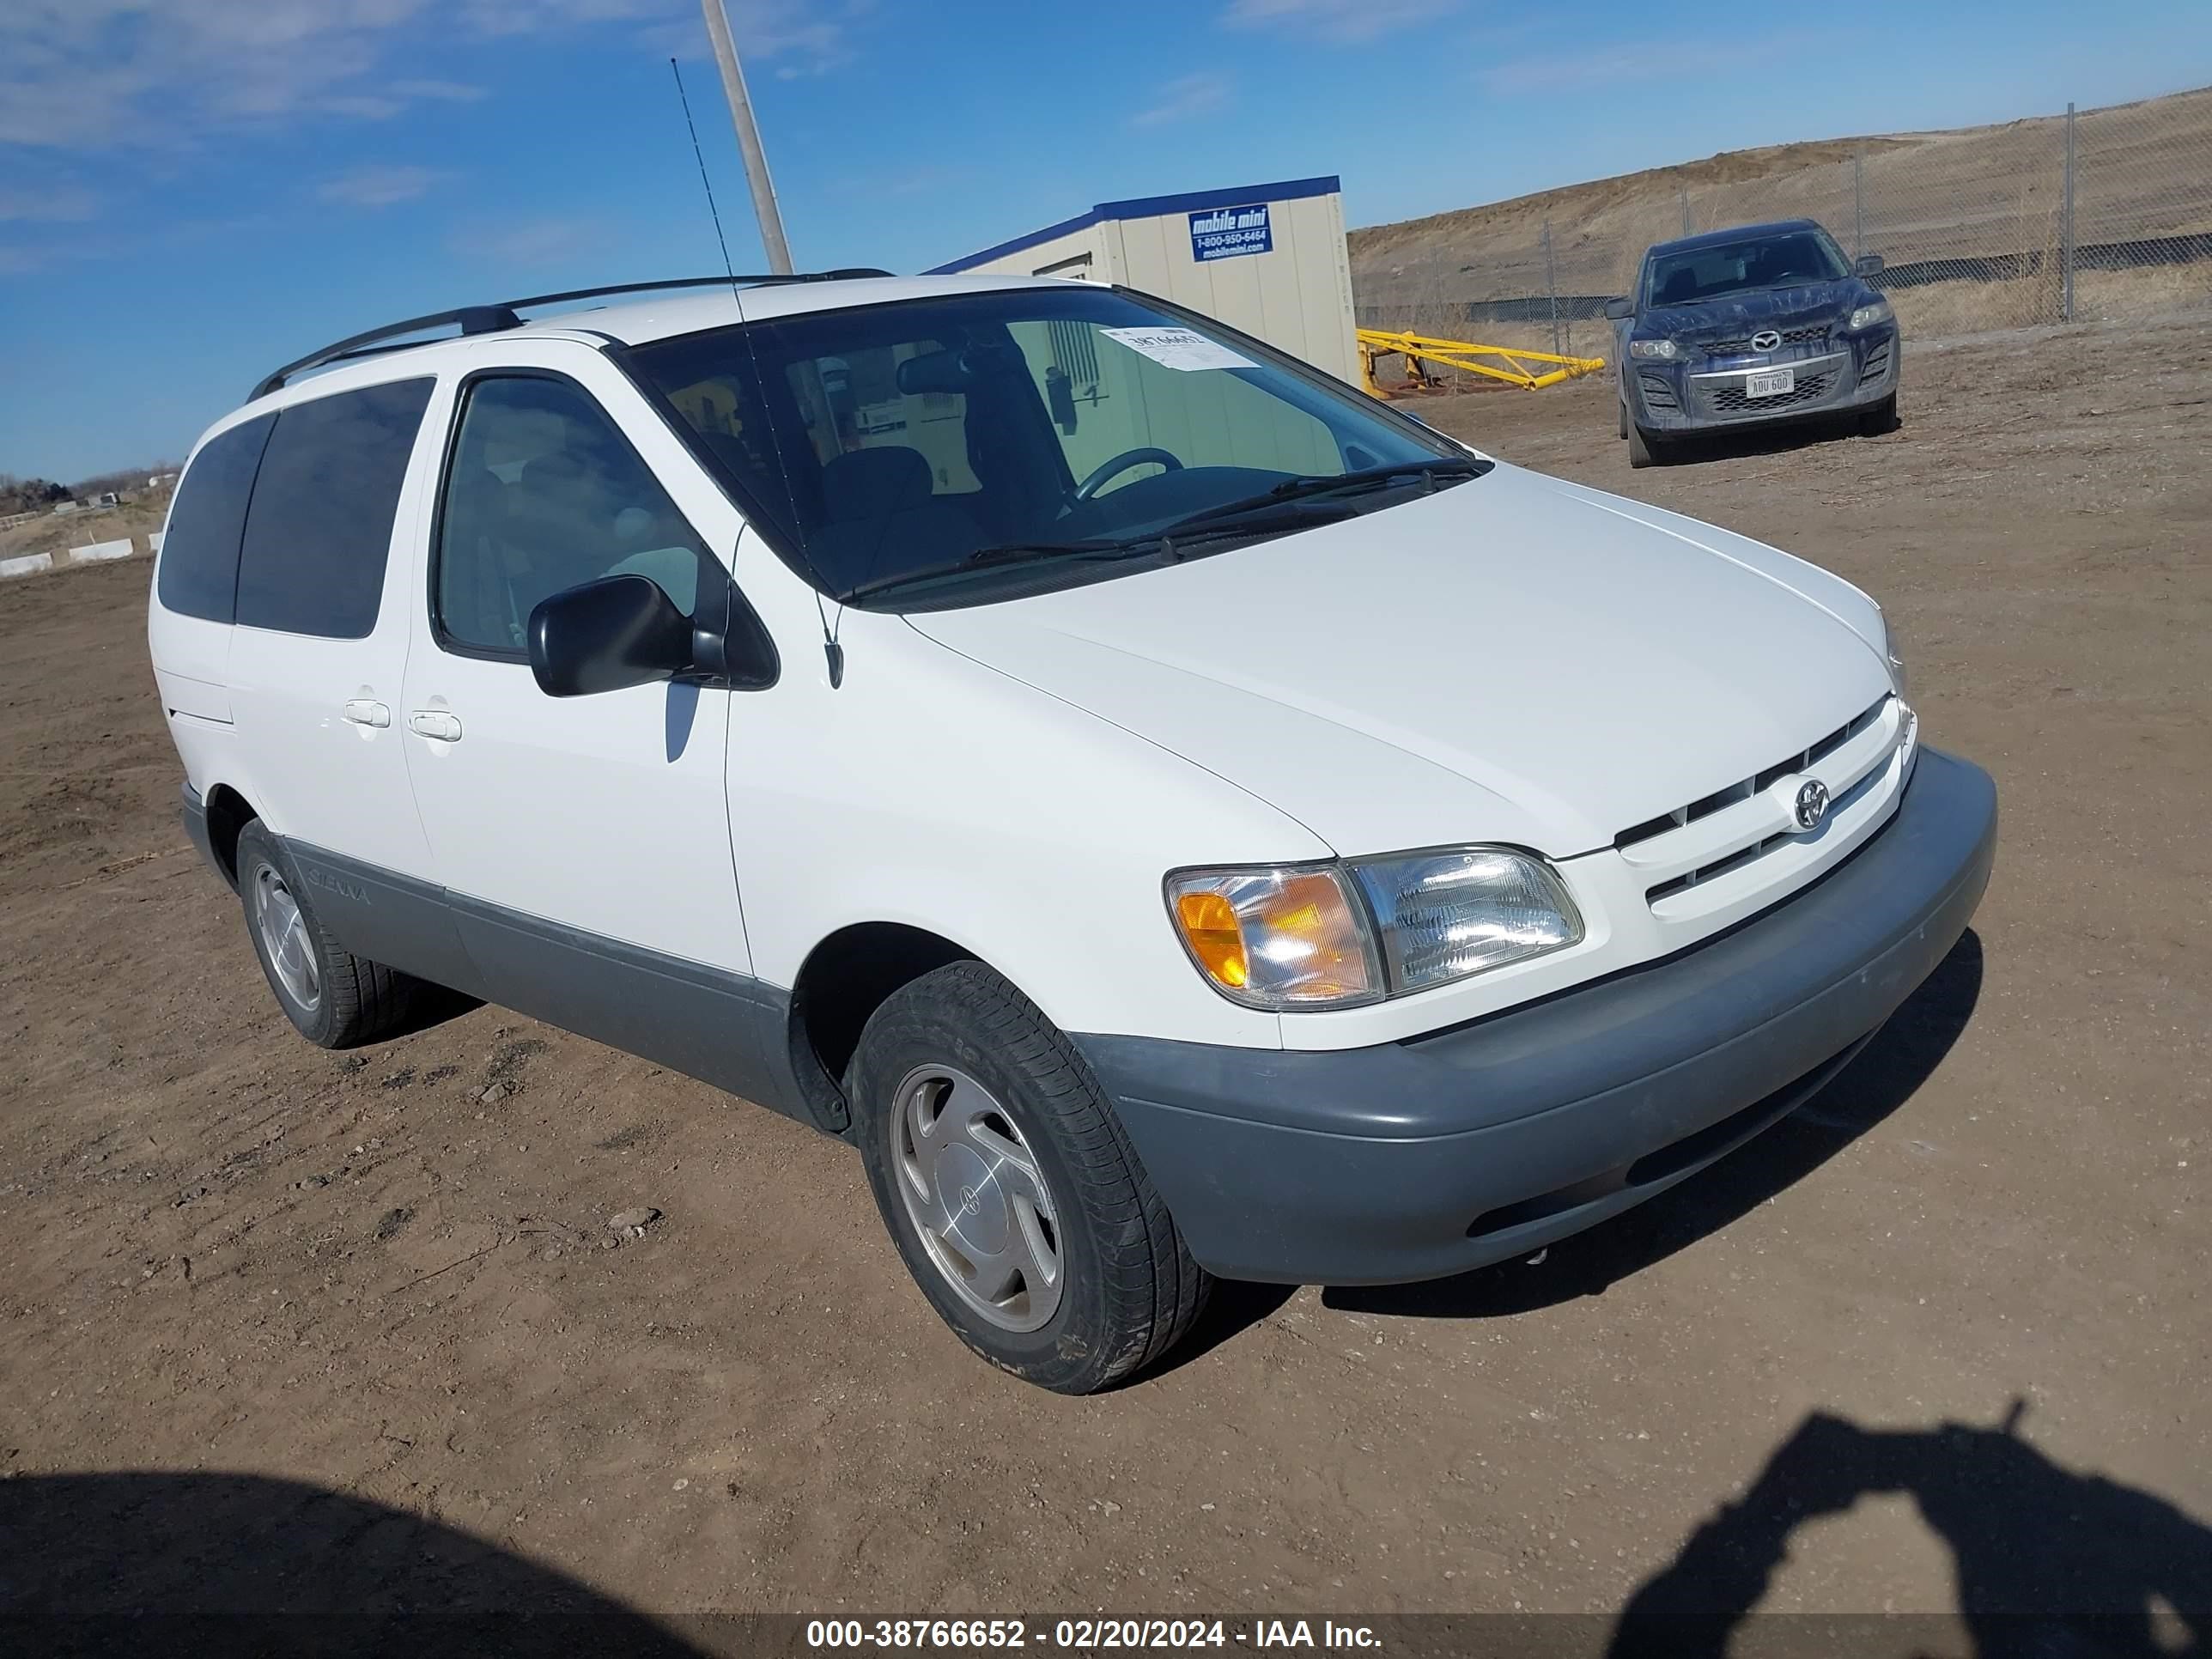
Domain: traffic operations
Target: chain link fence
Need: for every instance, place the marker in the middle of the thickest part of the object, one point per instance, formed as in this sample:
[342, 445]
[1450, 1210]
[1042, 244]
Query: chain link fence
[2088, 215]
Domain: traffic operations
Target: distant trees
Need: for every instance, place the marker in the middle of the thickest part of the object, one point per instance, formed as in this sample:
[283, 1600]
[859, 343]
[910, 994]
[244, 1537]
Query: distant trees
[27, 494]
[36, 495]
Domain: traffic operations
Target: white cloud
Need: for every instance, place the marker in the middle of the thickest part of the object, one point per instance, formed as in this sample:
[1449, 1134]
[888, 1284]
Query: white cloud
[90, 74]
[1184, 100]
[47, 203]
[1541, 74]
[1336, 19]
[539, 242]
[380, 187]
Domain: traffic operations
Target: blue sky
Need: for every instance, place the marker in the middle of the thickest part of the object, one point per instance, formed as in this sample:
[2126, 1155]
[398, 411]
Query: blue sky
[193, 191]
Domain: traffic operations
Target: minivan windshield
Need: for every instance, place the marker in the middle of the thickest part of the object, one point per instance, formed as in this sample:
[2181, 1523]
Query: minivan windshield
[1782, 259]
[955, 449]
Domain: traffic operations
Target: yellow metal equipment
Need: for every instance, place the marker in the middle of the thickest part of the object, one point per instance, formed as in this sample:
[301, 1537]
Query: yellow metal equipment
[1508, 364]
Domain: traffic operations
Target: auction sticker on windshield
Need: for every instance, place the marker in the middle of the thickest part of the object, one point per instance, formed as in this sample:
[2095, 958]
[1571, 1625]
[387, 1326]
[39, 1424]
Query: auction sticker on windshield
[1178, 348]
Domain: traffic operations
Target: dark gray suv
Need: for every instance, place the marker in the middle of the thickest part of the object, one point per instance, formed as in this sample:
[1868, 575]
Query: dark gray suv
[1752, 326]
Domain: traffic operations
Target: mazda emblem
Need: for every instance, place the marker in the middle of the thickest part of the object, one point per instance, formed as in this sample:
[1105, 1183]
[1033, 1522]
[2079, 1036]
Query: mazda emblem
[1812, 803]
[1766, 340]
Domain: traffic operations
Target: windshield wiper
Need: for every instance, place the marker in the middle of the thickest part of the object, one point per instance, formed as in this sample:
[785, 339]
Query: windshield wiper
[1340, 483]
[1171, 545]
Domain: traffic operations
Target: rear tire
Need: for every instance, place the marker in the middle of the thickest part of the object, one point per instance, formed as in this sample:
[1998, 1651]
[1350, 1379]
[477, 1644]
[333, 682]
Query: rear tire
[1011, 1191]
[333, 998]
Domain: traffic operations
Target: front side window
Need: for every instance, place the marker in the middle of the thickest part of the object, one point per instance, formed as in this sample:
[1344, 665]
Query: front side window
[544, 493]
[1780, 260]
[940, 444]
[199, 550]
[319, 531]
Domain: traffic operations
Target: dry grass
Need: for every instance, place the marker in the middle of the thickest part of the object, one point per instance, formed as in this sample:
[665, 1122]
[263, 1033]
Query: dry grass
[48, 534]
[1972, 194]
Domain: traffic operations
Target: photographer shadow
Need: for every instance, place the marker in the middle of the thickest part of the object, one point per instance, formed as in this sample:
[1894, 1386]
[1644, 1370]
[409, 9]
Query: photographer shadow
[227, 1565]
[2047, 1562]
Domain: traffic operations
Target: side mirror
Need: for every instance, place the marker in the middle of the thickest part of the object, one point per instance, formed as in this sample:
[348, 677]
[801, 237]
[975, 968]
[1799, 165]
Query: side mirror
[1620, 310]
[1867, 265]
[604, 636]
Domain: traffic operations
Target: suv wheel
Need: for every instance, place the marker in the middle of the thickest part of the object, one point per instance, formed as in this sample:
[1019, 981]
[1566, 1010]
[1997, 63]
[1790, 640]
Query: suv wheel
[1009, 1187]
[334, 998]
[1644, 451]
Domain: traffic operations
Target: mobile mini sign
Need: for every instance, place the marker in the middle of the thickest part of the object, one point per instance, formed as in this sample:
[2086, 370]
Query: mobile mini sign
[1226, 232]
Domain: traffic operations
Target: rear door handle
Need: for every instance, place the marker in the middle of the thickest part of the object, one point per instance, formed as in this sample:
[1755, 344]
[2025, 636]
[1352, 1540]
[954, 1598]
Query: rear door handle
[434, 723]
[362, 712]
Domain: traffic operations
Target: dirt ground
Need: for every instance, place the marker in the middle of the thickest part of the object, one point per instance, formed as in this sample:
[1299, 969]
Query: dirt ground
[225, 1252]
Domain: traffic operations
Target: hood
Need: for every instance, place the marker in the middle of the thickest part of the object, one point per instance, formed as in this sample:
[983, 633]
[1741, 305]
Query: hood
[1737, 313]
[1512, 660]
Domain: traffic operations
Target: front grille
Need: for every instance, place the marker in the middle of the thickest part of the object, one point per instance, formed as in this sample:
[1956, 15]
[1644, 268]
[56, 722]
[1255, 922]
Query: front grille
[1758, 849]
[1745, 788]
[1657, 392]
[1813, 334]
[1734, 400]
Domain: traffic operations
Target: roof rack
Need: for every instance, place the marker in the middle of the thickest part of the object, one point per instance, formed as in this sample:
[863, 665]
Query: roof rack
[493, 319]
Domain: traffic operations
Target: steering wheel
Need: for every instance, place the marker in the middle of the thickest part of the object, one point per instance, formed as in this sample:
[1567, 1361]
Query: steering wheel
[1121, 464]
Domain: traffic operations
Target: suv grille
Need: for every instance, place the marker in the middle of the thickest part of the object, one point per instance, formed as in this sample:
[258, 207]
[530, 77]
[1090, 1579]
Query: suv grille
[1812, 334]
[1745, 788]
[1735, 400]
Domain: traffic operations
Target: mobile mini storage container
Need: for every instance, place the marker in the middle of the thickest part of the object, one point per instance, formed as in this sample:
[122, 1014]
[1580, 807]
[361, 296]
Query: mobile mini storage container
[1268, 259]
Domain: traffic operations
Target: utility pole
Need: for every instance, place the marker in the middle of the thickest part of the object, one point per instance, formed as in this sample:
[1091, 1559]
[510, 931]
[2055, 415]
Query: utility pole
[749, 143]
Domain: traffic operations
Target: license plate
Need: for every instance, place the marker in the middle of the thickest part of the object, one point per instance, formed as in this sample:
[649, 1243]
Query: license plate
[1770, 383]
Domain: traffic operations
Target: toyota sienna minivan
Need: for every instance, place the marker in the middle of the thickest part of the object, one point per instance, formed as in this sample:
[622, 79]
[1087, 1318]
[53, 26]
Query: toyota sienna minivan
[1176, 815]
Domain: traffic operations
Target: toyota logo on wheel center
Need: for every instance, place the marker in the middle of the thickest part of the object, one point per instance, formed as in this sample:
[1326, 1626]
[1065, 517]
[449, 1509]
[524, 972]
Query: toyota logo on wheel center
[1812, 803]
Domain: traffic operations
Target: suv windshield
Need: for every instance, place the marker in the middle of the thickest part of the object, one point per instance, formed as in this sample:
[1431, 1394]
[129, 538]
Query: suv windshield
[938, 450]
[1782, 259]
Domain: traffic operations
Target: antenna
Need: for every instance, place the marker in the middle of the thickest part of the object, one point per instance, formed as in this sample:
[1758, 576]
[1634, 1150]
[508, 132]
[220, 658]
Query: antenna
[832, 652]
[698, 156]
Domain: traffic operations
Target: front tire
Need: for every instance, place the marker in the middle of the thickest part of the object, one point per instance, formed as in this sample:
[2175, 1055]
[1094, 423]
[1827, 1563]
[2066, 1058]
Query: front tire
[333, 998]
[1010, 1189]
[1645, 450]
[1878, 419]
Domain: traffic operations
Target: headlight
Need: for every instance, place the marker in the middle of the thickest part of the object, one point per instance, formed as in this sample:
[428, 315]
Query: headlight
[1666, 350]
[1867, 316]
[1293, 936]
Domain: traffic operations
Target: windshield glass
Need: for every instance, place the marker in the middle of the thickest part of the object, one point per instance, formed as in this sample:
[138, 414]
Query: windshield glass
[1780, 259]
[955, 439]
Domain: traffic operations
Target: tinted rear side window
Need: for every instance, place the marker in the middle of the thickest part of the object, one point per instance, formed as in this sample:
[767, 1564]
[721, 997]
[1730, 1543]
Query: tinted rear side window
[200, 552]
[323, 506]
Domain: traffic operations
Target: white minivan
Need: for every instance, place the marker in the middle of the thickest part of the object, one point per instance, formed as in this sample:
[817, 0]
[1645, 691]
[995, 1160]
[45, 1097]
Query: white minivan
[1177, 815]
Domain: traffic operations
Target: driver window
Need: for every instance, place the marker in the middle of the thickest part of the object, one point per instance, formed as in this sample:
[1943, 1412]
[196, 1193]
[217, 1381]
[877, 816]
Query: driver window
[1107, 399]
[545, 493]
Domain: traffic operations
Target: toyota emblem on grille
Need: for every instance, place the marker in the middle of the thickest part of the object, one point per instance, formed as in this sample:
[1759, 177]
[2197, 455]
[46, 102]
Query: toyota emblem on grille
[1812, 803]
[1766, 340]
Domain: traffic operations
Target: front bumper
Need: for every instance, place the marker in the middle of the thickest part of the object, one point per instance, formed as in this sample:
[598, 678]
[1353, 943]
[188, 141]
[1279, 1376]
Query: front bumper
[1846, 373]
[1444, 1153]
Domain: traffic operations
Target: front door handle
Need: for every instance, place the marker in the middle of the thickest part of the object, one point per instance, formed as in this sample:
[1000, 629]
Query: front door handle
[434, 723]
[362, 712]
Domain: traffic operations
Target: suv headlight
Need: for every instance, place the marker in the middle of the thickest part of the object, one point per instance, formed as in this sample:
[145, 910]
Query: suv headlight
[1665, 350]
[1867, 316]
[1291, 936]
